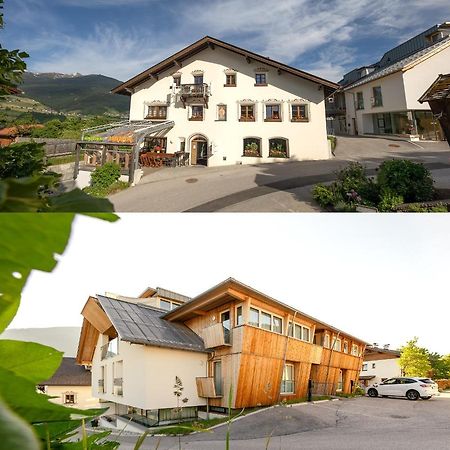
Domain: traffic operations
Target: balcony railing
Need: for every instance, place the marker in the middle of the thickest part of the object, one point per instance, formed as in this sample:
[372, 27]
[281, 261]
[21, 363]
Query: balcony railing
[194, 90]
[216, 336]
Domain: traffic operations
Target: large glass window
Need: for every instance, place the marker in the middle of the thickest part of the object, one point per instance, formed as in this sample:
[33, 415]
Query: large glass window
[377, 96]
[252, 147]
[239, 316]
[299, 332]
[287, 382]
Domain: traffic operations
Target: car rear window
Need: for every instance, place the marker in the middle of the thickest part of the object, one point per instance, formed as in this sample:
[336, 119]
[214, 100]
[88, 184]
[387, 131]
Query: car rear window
[426, 380]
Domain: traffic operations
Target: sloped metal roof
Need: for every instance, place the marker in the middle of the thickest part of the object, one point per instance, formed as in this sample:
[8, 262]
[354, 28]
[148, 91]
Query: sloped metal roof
[399, 65]
[142, 324]
[161, 292]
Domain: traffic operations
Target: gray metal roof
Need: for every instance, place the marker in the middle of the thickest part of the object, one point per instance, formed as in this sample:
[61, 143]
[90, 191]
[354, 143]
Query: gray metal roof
[399, 65]
[161, 292]
[69, 373]
[142, 324]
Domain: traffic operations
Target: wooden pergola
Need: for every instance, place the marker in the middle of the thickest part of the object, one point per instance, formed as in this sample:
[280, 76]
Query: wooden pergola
[118, 142]
[438, 97]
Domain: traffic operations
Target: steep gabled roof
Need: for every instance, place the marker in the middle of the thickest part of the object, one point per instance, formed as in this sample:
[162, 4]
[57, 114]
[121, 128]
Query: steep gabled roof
[439, 90]
[69, 373]
[403, 64]
[211, 42]
[142, 324]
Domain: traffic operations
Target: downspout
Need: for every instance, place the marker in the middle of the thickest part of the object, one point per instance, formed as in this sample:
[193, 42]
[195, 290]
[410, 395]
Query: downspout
[284, 356]
[331, 354]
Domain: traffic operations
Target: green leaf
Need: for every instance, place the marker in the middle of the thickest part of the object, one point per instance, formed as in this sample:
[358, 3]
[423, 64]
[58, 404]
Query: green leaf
[15, 433]
[27, 241]
[21, 396]
[22, 194]
[34, 362]
[78, 201]
[141, 440]
[57, 431]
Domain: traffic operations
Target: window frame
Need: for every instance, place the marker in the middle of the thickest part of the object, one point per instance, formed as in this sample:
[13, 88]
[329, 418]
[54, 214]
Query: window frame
[292, 380]
[236, 320]
[292, 329]
[214, 363]
[355, 353]
[157, 116]
[379, 103]
[197, 77]
[359, 104]
[262, 311]
[296, 118]
[364, 367]
[272, 119]
[326, 340]
[247, 117]
[258, 76]
[193, 118]
[345, 349]
[245, 144]
[71, 394]
[335, 347]
[286, 143]
[227, 84]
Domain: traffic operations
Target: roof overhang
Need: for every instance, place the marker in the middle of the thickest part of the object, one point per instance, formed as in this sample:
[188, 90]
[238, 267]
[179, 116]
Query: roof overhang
[231, 288]
[95, 322]
[175, 61]
[439, 90]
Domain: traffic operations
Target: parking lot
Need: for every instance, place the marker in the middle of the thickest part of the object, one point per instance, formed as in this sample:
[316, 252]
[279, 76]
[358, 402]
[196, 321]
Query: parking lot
[360, 423]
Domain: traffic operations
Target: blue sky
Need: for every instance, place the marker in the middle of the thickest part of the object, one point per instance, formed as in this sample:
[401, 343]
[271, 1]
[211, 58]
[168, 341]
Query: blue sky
[120, 38]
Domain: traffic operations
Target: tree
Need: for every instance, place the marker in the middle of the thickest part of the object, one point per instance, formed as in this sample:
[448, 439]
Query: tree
[414, 360]
[12, 66]
[440, 366]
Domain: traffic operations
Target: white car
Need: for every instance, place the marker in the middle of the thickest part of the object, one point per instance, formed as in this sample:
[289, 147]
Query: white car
[410, 387]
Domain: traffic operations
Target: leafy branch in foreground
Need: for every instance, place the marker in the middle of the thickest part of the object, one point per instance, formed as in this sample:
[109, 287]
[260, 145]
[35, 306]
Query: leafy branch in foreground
[28, 420]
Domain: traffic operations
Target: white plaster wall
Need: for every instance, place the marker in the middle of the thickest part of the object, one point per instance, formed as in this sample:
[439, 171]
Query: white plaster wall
[394, 99]
[149, 375]
[384, 368]
[306, 140]
[84, 396]
[419, 78]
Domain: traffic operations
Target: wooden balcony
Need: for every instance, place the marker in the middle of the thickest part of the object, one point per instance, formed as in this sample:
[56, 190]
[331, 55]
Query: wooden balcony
[189, 93]
[206, 388]
[216, 336]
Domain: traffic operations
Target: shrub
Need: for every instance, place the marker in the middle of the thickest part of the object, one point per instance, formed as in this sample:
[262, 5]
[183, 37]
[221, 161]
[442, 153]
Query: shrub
[410, 180]
[22, 160]
[333, 141]
[323, 195]
[105, 176]
[418, 208]
[389, 201]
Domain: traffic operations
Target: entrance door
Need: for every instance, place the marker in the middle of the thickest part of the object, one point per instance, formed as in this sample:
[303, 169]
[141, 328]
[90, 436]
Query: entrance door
[199, 152]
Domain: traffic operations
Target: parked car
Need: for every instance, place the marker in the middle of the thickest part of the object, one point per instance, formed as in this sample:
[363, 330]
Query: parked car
[410, 387]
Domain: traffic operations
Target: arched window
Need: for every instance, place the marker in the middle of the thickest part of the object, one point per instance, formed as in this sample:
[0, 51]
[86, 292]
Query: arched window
[278, 148]
[252, 147]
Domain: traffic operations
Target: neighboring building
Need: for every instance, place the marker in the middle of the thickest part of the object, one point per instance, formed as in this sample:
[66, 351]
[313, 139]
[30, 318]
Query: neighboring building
[383, 98]
[229, 338]
[379, 364]
[438, 97]
[8, 135]
[225, 105]
[70, 385]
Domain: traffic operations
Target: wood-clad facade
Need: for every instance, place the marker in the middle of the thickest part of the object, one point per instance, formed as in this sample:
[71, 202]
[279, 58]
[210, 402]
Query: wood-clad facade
[253, 356]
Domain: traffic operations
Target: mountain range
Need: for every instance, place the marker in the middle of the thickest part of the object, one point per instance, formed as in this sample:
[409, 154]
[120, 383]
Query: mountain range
[75, 93]
[64, 339]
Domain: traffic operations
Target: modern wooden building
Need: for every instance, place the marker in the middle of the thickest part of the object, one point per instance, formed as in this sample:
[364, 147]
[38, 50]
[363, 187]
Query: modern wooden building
[230, 338]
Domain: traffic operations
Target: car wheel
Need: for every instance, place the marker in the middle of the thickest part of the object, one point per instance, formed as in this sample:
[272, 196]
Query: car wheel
[412, 395]
[426, 398]
[372, 392]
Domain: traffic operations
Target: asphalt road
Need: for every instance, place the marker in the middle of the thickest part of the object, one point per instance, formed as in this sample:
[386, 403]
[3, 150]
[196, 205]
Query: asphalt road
[347, 424]
[279, 187]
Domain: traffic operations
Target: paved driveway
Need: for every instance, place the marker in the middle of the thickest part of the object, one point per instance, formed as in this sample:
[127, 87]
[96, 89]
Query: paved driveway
[278, 187]
[362, 423]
